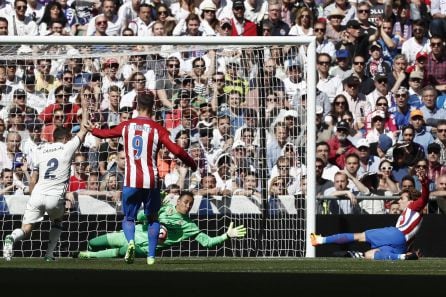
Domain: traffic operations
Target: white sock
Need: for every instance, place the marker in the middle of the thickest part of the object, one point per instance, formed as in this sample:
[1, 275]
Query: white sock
[18, 234]
[54, 238]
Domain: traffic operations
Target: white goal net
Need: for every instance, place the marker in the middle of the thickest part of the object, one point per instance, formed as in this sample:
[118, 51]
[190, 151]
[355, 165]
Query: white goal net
[244, 109]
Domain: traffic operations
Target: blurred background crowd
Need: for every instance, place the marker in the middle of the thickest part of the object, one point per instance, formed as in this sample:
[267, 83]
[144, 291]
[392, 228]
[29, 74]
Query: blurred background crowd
[380, 104]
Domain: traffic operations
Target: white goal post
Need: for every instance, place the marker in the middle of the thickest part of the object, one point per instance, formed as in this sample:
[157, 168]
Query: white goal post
[103, 47]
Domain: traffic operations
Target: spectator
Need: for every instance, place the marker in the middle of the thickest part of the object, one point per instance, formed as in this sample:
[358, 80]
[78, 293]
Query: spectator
[401, 110]
[338, 110]
[322, 184]
[44, 80]
[110, 24]
[433, 158]
[323, 45]
[241, 26]
[353, 41]
[331, 85]
[388, 42]
[341, 190]
[441, 140]
[417, 43]
[276, 189]
[110, 114]
[69, 110]
[53, 13]
[363, 14]
[65, 80]
[399, 77]
[335, 31]
[129, 11]
[436, 64]
[440, 193]
[58, 119]
[438, 22]
[415, 89]
[376, 65]
[303, 23]
[432, 114]
[138, 82]
[366, 86]
[141, 25]
[382, 105]
[324, 130]
[323, 152]
[378, 127]
[422, 136]
[3, 26]
[107, 148]
[386, 181]
[340, 145]
[19, 24]
[279, 27]
[7, 186]
[100, 26]
[383, 147]
[342, 68]
[344, 6]
[79, 179]
[368, 163]
[357, 102]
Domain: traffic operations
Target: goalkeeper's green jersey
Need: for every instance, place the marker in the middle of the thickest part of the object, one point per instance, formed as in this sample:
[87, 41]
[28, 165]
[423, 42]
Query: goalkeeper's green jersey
[179, 227]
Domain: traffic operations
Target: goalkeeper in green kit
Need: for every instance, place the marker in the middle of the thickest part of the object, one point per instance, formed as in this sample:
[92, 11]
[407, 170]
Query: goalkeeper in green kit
[179, 227]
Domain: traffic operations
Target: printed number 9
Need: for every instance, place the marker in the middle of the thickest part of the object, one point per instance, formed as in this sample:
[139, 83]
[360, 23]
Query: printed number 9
[52, 165]
[137, 144]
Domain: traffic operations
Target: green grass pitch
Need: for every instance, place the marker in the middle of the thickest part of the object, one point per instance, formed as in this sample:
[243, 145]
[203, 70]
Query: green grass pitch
[424, 266]
[227, 276]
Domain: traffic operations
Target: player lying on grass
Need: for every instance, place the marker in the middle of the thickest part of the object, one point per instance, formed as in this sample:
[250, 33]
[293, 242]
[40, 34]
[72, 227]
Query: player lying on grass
[179, 227]
[389, 243]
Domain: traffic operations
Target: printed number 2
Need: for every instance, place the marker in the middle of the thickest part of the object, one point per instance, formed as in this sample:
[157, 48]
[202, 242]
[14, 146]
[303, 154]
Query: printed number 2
[137, 144]
[52, 165]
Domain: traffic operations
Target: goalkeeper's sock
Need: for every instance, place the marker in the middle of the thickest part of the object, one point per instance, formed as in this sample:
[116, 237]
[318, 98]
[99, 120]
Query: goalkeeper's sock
[129, 229]
[18, 234]
[152, 234]
[340, 238]
[54, 238]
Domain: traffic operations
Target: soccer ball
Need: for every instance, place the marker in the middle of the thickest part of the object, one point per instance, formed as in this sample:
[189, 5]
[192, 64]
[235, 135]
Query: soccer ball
[162, 235]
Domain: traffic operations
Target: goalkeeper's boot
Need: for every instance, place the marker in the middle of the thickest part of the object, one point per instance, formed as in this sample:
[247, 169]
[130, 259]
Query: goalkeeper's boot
[150, 260]
[49, 258]
[315, 239]
[83, 255]
[129, 257]
[413, 255]
[7, 248]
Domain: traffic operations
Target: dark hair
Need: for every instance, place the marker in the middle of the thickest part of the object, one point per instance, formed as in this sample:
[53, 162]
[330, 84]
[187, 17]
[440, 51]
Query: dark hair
[145, 101]
[186, 193]
[46, 18]
[60, 133]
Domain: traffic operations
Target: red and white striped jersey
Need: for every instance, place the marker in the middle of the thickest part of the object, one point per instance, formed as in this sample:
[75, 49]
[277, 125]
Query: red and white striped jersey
[410, 219]
[143, 138]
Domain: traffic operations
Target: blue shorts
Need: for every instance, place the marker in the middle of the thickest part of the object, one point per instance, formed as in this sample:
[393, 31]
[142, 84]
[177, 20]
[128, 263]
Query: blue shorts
[132, 198]
[388, 239]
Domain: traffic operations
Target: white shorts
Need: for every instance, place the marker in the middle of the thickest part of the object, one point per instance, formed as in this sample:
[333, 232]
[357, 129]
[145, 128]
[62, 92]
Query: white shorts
[38, 204]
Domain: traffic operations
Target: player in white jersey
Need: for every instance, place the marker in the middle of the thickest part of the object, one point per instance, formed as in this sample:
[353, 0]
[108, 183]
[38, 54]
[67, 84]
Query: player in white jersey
[49, 181]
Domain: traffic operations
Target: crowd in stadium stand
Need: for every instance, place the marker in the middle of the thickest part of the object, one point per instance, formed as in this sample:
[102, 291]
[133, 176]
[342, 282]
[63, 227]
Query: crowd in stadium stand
[380, 105]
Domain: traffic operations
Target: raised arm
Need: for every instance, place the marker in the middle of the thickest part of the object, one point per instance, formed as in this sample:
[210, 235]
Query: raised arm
[178, 151]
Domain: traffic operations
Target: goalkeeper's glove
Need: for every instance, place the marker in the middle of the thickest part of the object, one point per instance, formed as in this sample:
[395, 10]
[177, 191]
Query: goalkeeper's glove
[238, 231]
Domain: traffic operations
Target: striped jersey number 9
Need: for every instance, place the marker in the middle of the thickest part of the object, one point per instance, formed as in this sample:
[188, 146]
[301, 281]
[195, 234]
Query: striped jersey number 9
[52, 165]
[137, 144]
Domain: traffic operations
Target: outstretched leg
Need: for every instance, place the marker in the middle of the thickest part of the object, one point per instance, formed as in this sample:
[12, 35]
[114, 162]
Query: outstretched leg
[340, 238]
